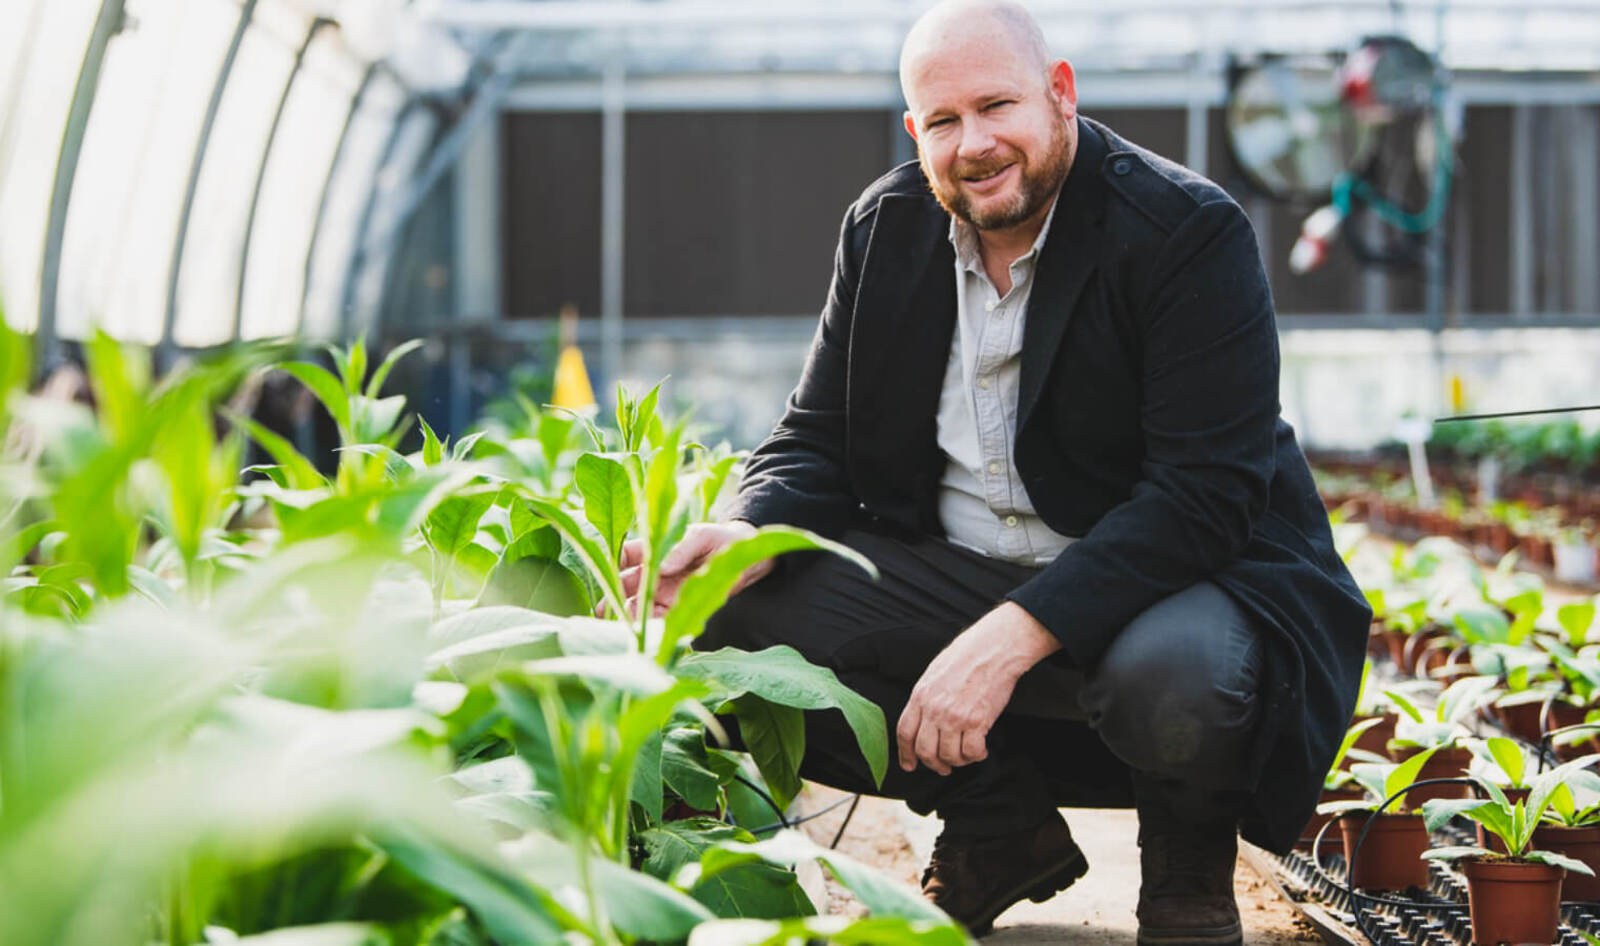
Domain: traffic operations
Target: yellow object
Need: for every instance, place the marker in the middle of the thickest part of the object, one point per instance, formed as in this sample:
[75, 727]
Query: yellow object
[572, 381]
[1458, 394]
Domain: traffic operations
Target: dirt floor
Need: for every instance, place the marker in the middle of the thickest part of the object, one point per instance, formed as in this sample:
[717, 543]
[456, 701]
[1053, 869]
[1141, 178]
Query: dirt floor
[1096, 911]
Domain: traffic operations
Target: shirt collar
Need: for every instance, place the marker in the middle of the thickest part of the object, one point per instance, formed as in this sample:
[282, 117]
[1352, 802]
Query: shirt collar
[964, 237]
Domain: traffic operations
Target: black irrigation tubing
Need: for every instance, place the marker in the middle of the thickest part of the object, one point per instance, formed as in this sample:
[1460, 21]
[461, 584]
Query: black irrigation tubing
[1541, 410]
[792, 822]
[839, 835]
[1350, 859]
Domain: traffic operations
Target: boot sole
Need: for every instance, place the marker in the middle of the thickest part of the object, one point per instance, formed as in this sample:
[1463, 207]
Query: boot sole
[1214, 936]
[1039, 889]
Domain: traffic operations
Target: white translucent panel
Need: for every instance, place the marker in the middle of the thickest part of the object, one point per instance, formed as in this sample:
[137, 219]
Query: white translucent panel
[28, 162]
[20, 18]
[297, 167]
[134, 167]
[354, 178]
[395, 186]
[208, 277]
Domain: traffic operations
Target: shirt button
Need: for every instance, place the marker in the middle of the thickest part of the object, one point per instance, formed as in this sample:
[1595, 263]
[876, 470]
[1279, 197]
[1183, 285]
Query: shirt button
[988, 306]
[994, 467]
[983, 382]
[1011, 521]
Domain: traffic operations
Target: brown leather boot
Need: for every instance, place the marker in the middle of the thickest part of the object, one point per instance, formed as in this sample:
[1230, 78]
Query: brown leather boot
[1186, 897]
[976, 879]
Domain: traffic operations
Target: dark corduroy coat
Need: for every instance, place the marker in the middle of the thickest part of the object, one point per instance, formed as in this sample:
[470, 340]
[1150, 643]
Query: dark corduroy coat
[1147, 425]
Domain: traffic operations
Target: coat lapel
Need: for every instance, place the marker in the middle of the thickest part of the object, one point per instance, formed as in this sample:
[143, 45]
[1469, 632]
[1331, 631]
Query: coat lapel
[1066, 261]
[900, 342]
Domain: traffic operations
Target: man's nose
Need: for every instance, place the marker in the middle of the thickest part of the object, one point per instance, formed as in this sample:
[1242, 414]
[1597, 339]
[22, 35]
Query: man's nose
[977, 139]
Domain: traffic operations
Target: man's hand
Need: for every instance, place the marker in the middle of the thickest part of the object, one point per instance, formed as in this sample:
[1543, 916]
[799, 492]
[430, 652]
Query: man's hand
[964, 689]
[700, 542]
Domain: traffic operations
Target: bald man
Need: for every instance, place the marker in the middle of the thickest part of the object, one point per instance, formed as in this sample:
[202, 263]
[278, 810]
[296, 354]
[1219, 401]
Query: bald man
[1042, 397]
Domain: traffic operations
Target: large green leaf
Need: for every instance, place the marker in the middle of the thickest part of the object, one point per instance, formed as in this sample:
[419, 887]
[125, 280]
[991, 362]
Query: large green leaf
[776, 737]
[707, 589]
[543, 584]
[684, 768]
[781, 675]
[838, 930]
[645, 790]
[758, 890]
[637, 904]
[322, 934]
[607, 498]
[326, 387]
[876, 892]
[599, 564]
[510, 908]
[453, 523]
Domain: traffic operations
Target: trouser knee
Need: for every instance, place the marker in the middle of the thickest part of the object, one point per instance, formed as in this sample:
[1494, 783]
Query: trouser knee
[1175, 695]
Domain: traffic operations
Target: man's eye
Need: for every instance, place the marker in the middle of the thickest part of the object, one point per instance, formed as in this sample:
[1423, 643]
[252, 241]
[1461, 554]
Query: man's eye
[994, 105]
[937, 122]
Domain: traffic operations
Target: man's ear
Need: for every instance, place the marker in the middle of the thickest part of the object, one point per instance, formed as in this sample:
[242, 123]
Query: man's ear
[911, 125]
[1064, 85]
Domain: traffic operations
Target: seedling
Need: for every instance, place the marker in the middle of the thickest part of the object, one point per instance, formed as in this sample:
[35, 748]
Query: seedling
[1513, 822]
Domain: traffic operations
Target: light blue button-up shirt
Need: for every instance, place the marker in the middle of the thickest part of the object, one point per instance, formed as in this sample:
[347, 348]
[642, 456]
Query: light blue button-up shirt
[982, 503]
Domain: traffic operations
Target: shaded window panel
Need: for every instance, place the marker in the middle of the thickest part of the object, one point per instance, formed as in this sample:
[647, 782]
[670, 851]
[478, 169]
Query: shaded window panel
[352, 180]
[550, 163]
[28, 167]
[208, 279]
[393, 187]
[737, 213]
[291, 187]
[1483, 197]
[133, 169]
[1162, 130]
[1565, 177]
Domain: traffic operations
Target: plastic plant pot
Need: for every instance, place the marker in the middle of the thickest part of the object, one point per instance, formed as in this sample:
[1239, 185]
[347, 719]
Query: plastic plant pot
[1376, 739]
[1513, 901]
[1446, 763]
[1332, 844]
[1521, 720]
[1581, 844]
[1391, 856]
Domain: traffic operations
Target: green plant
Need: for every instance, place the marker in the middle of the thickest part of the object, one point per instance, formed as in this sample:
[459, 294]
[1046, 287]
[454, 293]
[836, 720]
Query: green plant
[1337, 778]
[1382, 781]
[1443, 726]
[1513, 822]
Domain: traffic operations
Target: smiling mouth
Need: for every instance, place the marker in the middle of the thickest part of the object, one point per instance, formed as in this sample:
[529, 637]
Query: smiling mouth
[979, 179]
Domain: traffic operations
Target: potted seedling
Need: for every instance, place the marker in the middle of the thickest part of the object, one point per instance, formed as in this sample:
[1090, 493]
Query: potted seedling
[1513, 897]
[1505, 763]
[1443, 731]
[1572, 827]
[1528, 682]
[1339, 784]
[1370, 705]
[1392, 837]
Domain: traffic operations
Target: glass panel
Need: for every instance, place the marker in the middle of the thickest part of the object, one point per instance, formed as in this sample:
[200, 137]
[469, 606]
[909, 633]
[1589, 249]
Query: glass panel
[28, 167]
[318, 103]
[352, 180]
[394, 186]
[154, 86]
[208, 279]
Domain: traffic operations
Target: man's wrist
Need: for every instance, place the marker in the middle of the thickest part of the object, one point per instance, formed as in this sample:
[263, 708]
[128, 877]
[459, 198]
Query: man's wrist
[1019, 639]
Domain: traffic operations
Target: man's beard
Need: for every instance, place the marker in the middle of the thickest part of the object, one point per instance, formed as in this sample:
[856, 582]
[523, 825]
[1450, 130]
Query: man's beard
[1038, 186]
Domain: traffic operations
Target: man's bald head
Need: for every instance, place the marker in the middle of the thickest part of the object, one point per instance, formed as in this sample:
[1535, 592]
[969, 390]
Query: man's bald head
[953, 24]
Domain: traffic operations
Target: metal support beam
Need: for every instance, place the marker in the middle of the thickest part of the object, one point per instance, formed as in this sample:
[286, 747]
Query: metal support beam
[168, 344]
[317, 26]
[106, 25]
[356, 102]
[613, 174]
[358, 253]
[1522, 268]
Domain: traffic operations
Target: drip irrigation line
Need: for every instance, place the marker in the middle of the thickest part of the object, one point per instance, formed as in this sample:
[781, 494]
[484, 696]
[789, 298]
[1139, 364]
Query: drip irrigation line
[1540, 410]
[792, 822]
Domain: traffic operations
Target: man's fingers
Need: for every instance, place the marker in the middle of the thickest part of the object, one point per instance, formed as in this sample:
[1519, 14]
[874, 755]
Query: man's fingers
[687, 553]
[928, 747]
[632, 554]
[974, 747]
[630, 580]
[906, 735]
[950, 748]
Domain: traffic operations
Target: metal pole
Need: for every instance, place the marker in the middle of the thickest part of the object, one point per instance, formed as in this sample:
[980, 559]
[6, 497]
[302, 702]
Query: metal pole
[358, 254]
[613, 171]
[261, 171]
[168, 344]
[327, 186]
[106, 25]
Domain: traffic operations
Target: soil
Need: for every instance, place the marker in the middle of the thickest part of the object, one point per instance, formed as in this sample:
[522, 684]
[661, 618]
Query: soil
[1083, 916]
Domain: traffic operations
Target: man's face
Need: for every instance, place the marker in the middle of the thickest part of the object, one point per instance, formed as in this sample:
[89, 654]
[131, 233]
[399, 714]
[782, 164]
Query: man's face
[995, 139]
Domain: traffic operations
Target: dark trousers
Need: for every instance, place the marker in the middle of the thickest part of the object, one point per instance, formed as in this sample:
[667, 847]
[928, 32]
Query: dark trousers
[1172, 704]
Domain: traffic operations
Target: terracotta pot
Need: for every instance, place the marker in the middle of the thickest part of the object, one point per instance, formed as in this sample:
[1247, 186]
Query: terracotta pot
[1565, 714]
[1513, 901]
[1332, 842]
[1390, 858]
[1377, 738]
[1493, 843]
[1521, 720]
[1446, 763]
[1377, 641]
[1580, 844]
[1536, 550]
[1415, 646]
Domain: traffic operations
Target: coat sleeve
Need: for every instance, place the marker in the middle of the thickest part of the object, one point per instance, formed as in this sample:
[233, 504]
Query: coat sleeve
[797, 476]
[1209, 380]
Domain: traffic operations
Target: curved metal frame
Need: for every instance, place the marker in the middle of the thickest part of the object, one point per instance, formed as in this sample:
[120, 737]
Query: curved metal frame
[356, 101]
[358, 251]
[169, 322]
[316, 27]
[108, 22]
